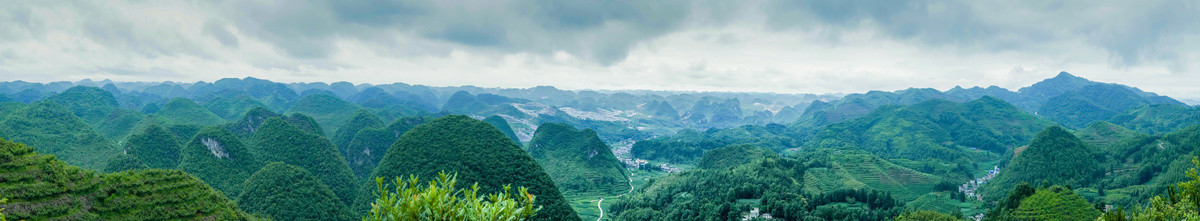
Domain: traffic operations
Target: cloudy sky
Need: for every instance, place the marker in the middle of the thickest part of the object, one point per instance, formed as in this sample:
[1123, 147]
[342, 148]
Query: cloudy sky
[711, 45]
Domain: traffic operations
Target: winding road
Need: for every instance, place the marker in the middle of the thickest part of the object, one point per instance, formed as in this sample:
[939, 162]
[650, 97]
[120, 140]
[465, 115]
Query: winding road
[618, 196]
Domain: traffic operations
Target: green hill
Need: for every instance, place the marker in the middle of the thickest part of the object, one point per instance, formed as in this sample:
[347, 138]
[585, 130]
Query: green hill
[279, 141]
[687, 146]
[1055, 203]
[731, 156]
[771, 185]
[51, 129]
[155, 146]
[478, 153]
[41, 187]
[1159, 118]
[1102, 134]
[1097, 102]
[216, 156]
[252, 120]
[1055, 156]
[939, 134]
[286, 192]
[578, 161]
[123, 162]
[186, 111]
[370, 145]
[331, 112]
[99, 109]
[231, 108]
[836, 170]
[361, 120]
[502, 125]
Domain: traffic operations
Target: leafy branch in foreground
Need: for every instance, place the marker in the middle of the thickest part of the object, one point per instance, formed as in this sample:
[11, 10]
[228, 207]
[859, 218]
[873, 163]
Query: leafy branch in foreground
[440, 200]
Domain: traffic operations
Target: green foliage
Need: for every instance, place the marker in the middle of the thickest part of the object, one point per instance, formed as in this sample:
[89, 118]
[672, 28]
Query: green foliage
[91, 104]
[1056, 157]
[925, 215]
[232, 107]
[124, 162]
[155, 146]
[219, 158]
[578, 160]
[361, 120]
[1182, 202]
[44, 188]
[478, 153]
[689, 145]
[51, 129]
[441, 199]
[834, 170]
[1097, 102]
[1104, 134]
[186, 111]
[1055, 203]
[279, 141]
[1159, 118]
[937, 130]
[773, 185]
[502, 125]
[286, 192]
[369, 145]
[731, 156]
[331, 112]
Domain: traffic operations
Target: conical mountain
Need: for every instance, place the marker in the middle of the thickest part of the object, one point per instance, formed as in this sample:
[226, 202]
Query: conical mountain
[1055, 156]
[254, 118]
[91, 104]
[287, 192]
[370, 145]
[186, 111]
[216, 156]
[478, 153]
[279, 141]
[578, 161]
[41, 187]
[361, 120]
[155, 146]
[328, 110]
[232, 107]
[52, 129]
[504, 127]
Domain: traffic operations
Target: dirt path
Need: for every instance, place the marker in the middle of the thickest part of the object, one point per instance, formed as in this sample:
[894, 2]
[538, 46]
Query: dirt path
[618, 196]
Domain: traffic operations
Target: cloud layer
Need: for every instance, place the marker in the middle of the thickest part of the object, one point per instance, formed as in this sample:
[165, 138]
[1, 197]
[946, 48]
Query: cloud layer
[755, 45]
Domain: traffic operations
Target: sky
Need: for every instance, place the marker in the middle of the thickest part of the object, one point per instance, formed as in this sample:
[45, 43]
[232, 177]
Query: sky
[842, 46]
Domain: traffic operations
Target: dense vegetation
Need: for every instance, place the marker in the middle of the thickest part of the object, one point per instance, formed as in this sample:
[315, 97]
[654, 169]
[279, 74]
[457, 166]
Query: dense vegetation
[577, 160]
[155, 146]
[279, 141]
[219, 158]
[328, 110]
[286, 192]
[51, 129]
[478, 153]
[44, 188]
[770, 185]
[1055, 156]
[731, 156]
[689, 145]
[1025, 202]
[502, 125]
[442, 199]
[369, 145]
[361, 120]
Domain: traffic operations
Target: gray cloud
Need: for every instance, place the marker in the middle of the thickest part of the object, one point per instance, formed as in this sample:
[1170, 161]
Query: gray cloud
[793, 40]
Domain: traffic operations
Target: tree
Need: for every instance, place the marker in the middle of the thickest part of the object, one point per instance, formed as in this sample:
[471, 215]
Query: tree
[441, 200]
[1182, 202]
[925, 215]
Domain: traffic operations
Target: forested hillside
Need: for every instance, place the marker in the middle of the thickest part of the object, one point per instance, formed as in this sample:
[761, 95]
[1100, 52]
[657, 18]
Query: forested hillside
[41, 187]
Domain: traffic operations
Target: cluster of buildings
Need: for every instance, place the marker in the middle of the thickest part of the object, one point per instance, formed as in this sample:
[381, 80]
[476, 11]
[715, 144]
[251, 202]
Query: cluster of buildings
[971, 187]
